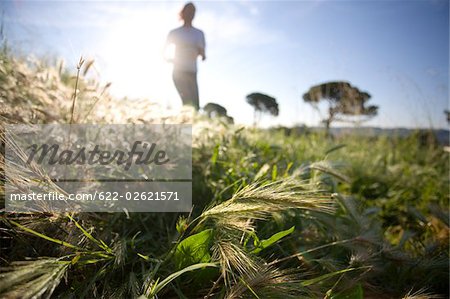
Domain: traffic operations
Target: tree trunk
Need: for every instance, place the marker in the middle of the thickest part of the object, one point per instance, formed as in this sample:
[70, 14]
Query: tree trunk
[329, 120]
[327, 126]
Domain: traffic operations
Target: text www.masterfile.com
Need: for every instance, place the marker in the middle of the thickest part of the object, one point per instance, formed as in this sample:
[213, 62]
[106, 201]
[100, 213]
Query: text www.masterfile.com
[93, 196]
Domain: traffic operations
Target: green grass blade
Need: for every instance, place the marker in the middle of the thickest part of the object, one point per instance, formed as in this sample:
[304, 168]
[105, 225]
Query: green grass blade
[60, 242]
[315, 280]
[100, 243]
[173, 276]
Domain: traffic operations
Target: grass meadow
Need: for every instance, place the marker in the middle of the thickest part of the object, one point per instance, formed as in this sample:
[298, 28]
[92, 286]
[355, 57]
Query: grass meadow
[274, 215]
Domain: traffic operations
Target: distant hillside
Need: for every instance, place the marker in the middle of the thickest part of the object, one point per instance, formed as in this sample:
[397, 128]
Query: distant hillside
[442, 135]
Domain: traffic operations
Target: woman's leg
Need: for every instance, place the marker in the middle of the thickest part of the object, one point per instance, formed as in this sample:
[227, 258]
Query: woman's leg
[187, 87]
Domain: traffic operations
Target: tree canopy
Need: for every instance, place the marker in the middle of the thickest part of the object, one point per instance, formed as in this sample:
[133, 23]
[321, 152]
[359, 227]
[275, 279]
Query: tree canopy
[216, 110]
[344, 100]
[263, 103]
[213, 109]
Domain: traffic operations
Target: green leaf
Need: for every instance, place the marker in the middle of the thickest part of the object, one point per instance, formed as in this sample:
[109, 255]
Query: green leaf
[168, 279]
[289, 166]
[215, 154]
[356, 292]
[274, 172]
[273, 239]
[194, 249]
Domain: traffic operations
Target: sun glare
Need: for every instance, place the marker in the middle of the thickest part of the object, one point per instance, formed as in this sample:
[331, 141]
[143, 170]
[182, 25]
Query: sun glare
[133, 59]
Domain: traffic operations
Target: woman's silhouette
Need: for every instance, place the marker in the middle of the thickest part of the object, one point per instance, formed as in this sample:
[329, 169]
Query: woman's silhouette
[189, 44]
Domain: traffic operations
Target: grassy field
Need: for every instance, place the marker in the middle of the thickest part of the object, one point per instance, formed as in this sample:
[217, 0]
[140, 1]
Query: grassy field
[274, 216]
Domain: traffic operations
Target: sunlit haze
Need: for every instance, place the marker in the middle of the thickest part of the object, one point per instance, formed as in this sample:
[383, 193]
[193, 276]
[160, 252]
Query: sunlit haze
[398, 51]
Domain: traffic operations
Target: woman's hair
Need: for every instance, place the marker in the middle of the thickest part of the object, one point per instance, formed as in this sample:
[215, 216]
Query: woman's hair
[188, 12]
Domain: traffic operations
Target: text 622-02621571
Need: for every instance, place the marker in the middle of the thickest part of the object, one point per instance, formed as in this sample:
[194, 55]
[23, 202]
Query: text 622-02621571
[163, 195]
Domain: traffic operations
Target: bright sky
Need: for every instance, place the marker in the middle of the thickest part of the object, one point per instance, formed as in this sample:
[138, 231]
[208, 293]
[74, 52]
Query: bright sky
[398, 51]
